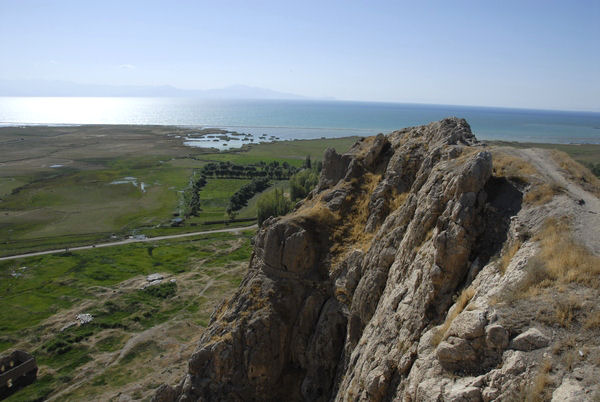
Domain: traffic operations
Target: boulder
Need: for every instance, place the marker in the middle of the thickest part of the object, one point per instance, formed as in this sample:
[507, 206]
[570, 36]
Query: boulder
[496, 336]
[530, 340]
[461, 393]
[468, 325]
[456, 353]
[570, 390]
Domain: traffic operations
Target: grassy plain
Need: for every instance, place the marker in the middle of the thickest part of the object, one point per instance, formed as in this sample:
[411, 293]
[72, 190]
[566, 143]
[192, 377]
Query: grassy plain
[133, 328]
[293, 152]
[69, 186]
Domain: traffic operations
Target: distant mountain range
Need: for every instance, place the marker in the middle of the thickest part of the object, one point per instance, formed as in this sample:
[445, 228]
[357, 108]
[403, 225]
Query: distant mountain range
[65, 88]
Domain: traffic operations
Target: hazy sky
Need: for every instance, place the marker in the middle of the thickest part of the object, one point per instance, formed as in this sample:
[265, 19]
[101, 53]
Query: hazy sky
[539, 54]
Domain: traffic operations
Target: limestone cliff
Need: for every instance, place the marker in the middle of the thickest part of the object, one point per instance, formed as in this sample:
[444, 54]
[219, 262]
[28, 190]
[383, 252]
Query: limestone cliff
[420, 268]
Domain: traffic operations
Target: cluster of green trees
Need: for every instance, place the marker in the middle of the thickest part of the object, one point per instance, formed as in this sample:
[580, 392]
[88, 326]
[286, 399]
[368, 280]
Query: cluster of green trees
[191, 195]
[302, 183]
[240, 198]
[228, 170]
[273, 203]
[307, 164]
[276, 203]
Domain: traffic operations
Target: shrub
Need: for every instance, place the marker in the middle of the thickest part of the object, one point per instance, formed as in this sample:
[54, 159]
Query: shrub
[302, 183]
[162, 290]
[272, 203]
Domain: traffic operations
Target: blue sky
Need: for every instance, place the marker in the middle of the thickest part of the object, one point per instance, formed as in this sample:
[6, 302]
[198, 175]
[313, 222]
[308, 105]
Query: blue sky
[536, 54]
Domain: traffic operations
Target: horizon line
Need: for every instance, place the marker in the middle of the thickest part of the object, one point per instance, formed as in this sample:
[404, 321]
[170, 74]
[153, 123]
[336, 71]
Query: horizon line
[312, 99]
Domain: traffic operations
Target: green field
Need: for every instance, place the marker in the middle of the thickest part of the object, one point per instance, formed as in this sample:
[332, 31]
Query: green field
[116, 181]
[293, 152]
[40, 295]
[214, 198]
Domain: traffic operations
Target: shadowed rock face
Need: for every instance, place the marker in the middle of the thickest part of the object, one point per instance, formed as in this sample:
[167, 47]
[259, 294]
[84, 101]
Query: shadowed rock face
[344, 296]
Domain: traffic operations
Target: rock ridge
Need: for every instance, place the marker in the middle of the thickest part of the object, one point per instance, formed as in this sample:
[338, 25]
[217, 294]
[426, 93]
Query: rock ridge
[383, 284]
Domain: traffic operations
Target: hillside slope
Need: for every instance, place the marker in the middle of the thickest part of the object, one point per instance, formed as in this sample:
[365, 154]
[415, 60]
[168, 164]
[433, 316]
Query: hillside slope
[424, 266]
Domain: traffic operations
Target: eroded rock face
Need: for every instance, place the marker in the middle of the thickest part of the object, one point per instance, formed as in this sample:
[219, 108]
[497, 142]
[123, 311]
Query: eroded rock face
[345, 299]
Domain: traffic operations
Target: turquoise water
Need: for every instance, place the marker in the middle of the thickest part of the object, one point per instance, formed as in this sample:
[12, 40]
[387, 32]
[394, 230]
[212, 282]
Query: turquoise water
[302, 119]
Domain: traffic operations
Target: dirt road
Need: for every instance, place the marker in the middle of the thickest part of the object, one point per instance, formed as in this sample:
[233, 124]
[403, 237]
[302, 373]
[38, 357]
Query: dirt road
[128, 241]
[581, 207]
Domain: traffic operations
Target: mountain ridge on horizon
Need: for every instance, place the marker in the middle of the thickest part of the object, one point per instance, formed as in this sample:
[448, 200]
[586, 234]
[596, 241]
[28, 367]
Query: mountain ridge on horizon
[67, 88]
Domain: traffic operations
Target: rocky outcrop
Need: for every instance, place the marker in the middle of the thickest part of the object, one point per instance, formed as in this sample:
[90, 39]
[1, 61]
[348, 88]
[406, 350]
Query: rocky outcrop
[383, 284]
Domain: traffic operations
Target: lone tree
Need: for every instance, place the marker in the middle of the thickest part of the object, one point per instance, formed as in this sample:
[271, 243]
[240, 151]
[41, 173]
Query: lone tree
[307, 164]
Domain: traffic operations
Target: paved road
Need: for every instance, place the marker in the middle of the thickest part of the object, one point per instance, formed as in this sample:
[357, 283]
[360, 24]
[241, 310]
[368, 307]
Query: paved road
[128, 241]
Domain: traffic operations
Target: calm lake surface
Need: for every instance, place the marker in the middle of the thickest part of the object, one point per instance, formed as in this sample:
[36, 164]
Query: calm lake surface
[288, 119]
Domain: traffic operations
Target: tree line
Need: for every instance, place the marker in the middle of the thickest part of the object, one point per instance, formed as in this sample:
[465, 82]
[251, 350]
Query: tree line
[191, 195]
[240, 198]
[228, 170]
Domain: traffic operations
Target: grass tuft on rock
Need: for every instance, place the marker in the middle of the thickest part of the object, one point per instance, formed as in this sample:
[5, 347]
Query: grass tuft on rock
[461, 302]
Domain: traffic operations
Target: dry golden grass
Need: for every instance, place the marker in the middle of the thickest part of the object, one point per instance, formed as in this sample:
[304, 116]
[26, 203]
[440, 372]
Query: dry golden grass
[542, 193]
[465, 296]
[467, 152]
[559, 263]
[351, 231]
[570, 359]
[509, 166]
[508, 255]
[564, 260]
[319, 212]
[564, 344]
[347, 226]
[536, 391]
[565, 310]
[592, 321]
[577, 173]
[365, 147]
[560, 266]
[396, 200]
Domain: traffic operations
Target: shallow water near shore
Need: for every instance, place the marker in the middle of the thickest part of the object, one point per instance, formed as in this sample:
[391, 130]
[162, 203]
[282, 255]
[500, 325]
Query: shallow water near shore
[288, 119]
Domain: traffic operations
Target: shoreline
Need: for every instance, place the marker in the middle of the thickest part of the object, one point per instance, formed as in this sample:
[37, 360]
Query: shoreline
[351, 132]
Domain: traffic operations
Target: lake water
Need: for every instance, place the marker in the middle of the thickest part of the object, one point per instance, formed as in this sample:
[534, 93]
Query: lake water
[301, 119]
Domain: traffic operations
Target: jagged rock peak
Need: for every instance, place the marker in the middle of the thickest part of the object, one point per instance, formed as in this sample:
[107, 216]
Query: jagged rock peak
[378, 285]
